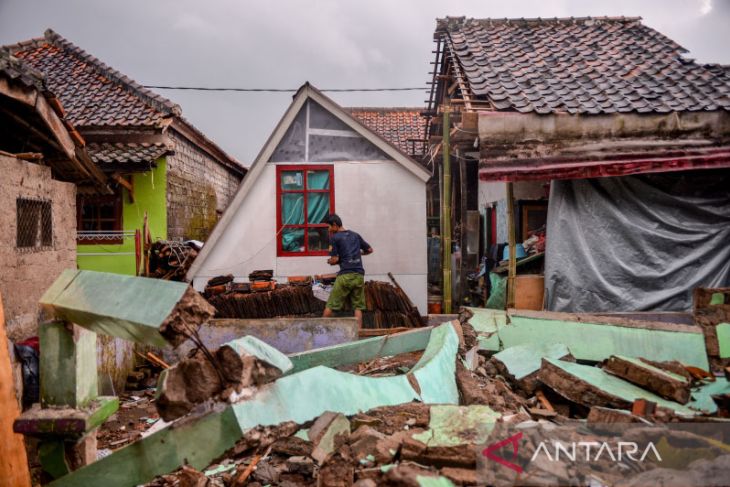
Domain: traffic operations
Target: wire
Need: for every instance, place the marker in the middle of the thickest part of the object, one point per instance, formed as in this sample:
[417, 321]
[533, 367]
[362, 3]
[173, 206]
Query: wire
[275, 90]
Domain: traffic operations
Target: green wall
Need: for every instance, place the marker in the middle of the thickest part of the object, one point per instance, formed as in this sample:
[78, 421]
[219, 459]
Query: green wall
[150, 194]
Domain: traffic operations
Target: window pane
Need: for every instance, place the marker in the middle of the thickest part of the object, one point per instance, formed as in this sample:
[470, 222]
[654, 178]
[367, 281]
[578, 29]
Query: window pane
[318, 180]
[292, 239]
[318, 207]
[292, 209]
[106, 210]
[318, 239]
[106, 225]
[292, 180]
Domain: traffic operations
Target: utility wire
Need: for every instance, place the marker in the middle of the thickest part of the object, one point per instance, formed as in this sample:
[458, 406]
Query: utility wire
[276, 90]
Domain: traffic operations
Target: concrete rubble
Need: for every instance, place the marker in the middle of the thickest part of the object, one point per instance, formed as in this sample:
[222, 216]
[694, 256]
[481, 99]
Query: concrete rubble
[412, 408]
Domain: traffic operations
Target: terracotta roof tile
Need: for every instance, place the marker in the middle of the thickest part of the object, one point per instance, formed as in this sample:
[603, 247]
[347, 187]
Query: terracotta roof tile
[586, 65]
[93, 94]
[120, 153]
[402, 127]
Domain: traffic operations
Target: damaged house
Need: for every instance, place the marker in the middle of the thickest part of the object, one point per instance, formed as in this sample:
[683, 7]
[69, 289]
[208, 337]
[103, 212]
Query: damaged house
[43, 159]
[605, 134]
[321, 160]
[161, 165]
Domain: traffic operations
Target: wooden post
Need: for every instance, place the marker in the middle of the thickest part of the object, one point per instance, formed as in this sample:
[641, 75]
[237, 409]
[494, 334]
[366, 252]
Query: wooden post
[446, 213]
[512, 252]
[13, 459]
[463, 221]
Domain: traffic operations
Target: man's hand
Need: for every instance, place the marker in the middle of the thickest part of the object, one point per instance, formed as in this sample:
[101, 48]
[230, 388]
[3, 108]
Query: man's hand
[368, 251]
[333, 260]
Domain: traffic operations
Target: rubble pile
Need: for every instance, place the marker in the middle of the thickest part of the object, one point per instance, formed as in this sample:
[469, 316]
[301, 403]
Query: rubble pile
[170, 260]
[415, 444]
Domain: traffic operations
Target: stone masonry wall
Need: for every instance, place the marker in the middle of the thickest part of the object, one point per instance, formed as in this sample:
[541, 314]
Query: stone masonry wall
[198, 190]
[26, 274]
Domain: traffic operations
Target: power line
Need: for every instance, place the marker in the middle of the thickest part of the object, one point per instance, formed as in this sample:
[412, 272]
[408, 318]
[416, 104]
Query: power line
[276, 90]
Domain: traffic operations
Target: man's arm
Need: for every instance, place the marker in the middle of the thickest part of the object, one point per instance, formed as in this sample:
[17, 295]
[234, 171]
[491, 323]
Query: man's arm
[365, 247]
[334, 258]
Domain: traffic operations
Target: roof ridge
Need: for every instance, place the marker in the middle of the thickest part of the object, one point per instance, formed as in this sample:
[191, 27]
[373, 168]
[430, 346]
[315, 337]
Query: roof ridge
[156, 101]
[383, 109]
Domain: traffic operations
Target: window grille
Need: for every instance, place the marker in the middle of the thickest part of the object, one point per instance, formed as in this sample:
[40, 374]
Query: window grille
[34, 224]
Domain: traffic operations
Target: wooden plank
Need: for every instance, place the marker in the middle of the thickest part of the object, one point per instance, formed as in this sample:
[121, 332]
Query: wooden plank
[13, 459]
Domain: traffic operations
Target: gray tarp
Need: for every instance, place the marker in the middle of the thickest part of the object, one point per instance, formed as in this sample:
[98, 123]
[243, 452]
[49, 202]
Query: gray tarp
[637, 243]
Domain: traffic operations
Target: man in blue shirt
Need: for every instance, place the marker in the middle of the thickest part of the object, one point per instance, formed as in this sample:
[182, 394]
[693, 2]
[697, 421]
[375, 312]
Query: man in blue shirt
[346, 249]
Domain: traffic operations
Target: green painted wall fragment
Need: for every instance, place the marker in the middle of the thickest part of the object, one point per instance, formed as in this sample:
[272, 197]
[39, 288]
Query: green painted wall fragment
[723, 339]
[656, 370]
[425, 481]
[362, 350]
[261, 350]
[132, 308]
[523, 360]
[617, 387]
[598, 341]
[67, 365]
[458, 425]
[717, 298]
[702, 396]
[438, 361]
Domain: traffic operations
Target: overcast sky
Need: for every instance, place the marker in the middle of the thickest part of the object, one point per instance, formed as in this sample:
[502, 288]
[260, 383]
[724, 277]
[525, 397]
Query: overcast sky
[282, 44]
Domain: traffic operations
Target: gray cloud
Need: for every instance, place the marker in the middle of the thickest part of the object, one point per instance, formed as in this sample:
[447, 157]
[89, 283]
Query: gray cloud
[331, 43]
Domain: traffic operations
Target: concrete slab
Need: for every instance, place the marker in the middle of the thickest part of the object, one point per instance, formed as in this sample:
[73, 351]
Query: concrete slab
[594, 338]
[662, 382]
[591, 386]
[521, 363]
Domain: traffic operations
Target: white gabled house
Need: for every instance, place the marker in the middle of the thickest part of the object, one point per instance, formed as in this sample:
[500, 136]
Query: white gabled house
[320, 160]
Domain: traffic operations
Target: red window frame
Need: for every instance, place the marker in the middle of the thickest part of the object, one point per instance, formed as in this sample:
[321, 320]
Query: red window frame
[306, 226]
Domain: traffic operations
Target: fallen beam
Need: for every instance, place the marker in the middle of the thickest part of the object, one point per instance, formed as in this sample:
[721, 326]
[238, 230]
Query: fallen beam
[661, 382]
[591, 386]
[596, 338]
[298, 397]
[147, 311]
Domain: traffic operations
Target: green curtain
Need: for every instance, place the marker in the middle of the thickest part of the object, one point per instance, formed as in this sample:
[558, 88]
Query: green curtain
[292, 239]
[318, 180]
[292, 209]
[318, 207]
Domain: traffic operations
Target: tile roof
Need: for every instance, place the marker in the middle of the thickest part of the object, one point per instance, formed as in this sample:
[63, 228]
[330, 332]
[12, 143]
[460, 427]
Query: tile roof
[21, 72]
[120, 153]
[582, 65]
[93, 94]
[402, 127]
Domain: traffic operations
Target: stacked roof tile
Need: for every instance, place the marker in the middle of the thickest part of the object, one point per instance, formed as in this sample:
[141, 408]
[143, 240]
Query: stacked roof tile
[93, 94]
[19, 71]
[402, 127]
[586, 66]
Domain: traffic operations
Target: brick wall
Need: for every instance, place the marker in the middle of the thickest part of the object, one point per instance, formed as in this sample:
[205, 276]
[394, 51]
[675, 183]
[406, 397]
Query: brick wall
[198, 190]
[26, 274]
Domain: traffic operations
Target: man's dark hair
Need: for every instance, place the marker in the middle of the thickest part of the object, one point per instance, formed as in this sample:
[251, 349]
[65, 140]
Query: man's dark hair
[333, 219]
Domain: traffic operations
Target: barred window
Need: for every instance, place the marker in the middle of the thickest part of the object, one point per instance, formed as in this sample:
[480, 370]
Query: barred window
[34, 224]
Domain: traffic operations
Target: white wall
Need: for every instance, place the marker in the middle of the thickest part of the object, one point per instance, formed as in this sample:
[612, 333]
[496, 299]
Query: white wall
[380, 200]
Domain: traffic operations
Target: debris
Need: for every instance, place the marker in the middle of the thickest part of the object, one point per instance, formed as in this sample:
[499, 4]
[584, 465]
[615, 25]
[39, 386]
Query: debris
[723, 339]
[590, 386]
[603, 415]
[146, 311]
[521, 363]
[665, 384]
[242, 363]
[596, 338]
[544, 401]
[328, 433]
[643, 408]
[170, 260]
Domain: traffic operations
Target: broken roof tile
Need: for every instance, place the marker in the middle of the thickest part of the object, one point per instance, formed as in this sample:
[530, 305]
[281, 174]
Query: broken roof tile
[402, 127]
